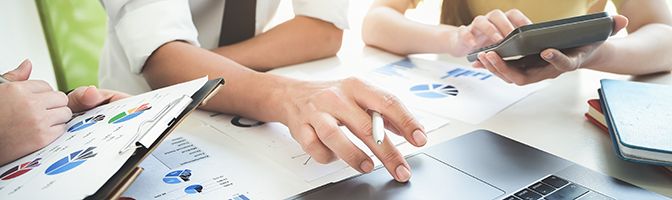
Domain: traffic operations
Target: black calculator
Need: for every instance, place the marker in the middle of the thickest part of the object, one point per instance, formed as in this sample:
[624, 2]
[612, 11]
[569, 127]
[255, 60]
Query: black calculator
[558, 34]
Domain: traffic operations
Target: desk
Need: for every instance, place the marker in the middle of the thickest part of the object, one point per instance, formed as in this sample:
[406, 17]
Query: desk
[550, 119]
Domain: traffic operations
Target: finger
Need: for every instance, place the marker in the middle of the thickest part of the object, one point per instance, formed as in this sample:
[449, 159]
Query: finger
[559, 60]
[620, 22]
[483, 26]
[21, 73]
[58, 116]
[517, 18]
[331, 135]
[488, 65]
[85, 98]
[305, 135]
[360, 123]
[502, 68]
[35, 86]
[478, 64]
[501, 21]
[391, 108]
[52, 99]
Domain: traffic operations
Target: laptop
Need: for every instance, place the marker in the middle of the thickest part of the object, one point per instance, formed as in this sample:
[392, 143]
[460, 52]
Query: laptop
[484, 165]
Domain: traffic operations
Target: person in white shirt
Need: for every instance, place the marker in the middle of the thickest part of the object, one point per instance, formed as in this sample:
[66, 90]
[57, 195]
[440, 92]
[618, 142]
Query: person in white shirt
[32, 114]
[156, 43]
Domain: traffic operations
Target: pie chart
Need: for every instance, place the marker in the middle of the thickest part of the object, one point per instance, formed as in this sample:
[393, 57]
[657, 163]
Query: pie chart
[70, 162]
[193, 189]
[129, 114]
[434, 90]
[20, 169]
[177, 176]
[86, 123]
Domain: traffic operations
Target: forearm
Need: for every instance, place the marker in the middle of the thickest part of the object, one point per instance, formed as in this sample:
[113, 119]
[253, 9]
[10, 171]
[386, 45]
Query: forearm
[388, 29]
[295, 41]
[644, 51]
[246, 92]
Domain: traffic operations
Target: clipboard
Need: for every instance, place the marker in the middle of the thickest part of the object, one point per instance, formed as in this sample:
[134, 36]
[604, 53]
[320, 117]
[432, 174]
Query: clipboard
[122, 179]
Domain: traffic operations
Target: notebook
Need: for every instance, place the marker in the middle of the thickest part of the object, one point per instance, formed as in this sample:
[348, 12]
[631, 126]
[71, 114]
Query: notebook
[639, 117]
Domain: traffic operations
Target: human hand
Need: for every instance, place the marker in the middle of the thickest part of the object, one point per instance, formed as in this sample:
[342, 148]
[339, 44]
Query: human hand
[486, 30]
[313, 112]
[32, 114]
[550, 63]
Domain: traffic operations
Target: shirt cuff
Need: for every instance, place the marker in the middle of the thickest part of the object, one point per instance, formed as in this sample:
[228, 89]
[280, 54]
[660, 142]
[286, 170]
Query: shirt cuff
[333, 11]
[145, 28]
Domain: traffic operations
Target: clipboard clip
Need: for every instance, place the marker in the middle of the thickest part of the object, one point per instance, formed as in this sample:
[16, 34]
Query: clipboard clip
[133, 143]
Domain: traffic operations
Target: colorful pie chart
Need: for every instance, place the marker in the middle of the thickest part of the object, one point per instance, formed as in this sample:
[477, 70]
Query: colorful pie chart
[129, 114]
[20, 169]
[71, 161]
[86, 123]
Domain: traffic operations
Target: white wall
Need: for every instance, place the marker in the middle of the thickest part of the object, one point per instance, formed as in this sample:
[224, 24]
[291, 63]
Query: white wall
[21, 37]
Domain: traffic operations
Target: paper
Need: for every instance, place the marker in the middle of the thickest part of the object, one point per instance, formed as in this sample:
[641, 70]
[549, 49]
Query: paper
[183, 168]
[275, 141]
[79, 162]
[449, 90]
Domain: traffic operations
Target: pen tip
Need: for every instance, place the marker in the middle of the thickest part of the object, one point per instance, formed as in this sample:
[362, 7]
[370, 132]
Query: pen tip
[379, 141]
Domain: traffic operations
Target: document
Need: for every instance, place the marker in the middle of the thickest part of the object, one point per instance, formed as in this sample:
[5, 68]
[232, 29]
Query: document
[449, 90]
[96, 144]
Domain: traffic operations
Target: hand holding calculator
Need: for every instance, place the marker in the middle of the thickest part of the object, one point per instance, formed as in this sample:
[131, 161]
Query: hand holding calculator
[559, 34]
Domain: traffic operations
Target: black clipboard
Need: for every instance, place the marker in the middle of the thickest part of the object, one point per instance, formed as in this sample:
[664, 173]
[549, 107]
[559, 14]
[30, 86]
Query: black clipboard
[122, 179]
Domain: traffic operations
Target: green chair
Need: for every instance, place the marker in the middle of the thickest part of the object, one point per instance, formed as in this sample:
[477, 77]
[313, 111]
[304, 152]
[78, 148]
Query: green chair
[75, 31]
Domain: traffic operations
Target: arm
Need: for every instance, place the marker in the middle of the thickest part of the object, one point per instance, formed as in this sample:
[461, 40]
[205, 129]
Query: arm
[311, 110]
[298, 40]
[649, 40]
[386, 27]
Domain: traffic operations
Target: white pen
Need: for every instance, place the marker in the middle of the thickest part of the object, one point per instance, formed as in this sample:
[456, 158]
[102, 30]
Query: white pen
[378, 127]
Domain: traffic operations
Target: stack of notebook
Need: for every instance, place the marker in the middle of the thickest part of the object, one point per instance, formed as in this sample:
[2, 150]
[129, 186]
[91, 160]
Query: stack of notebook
[638, 117]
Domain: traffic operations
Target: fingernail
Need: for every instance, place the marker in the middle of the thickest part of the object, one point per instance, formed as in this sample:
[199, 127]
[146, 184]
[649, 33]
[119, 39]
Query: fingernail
[366, 166]
[548, 55]
[403, 173]
[419, 137]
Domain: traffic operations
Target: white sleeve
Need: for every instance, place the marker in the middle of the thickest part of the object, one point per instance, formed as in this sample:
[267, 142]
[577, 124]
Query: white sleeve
[142, 26]
[334, 11]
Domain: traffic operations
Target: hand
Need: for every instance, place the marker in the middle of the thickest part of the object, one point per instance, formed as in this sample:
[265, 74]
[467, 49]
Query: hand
[549, 64]
[32, 114]
[314, 111]
[486, 30]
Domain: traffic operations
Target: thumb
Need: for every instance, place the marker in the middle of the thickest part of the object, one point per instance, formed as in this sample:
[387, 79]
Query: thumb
[559, 60]
[21, 73]
[620, 22]
[84, 98]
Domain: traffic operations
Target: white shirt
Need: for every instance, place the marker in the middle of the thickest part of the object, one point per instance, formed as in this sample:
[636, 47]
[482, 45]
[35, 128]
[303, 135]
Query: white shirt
[138, 27]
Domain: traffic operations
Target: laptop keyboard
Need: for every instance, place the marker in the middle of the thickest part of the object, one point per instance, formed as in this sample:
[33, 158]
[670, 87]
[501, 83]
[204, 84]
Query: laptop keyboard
[556, 188]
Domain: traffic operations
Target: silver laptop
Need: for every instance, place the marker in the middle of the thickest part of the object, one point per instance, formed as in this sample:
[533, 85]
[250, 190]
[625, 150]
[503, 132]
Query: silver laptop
[484, 165]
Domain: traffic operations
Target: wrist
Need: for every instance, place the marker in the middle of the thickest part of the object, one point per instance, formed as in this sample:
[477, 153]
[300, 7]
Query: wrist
[599, 56]
[277, 91]
[447, 39]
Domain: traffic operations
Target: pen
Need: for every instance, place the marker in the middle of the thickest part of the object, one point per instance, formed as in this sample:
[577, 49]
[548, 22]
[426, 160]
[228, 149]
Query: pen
[3, 80]
[378, 127]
